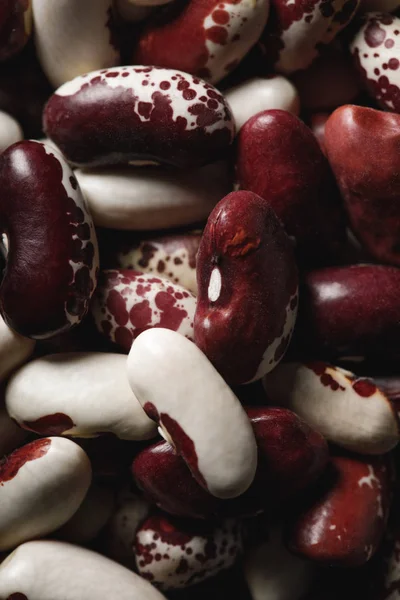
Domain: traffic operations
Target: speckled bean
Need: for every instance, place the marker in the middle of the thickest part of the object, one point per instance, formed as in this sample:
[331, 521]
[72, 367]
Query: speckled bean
[129, 302]
[80, 394]
[42, 486]
[164, 115]
[48, 570]
[73, 38]
[153, 198]
[195, 409]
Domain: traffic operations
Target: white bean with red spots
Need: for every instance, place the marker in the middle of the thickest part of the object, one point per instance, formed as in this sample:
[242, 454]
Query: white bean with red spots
[376, 54]
[173, 555]
[48, 570]
[80, 394]
[262, 93]
[129, 302]
[195, 409]
[73, 38]
[349, 411]
[42, 485]
[153, 198]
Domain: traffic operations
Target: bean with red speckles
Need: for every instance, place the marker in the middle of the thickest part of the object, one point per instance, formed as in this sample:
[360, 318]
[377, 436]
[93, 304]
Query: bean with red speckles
[258, 94]
[174, 554]
[273, 573]
[297, 30]
[195, 410]
[343, 520]
[167, 255]
[164, 115]
[49, 570]
[15, 26]
[206, 38]
[244, 247]
[349, 411]
[376, 54]
[42, 486]
[129, 302]
[53, 260]
[72, 38]
[138, 198]
[79, 394]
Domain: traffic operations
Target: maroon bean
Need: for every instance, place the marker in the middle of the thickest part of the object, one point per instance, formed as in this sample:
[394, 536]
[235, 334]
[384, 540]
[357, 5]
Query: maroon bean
[344, 519]
[15, 26]
[350, 311]
[52, 262]
[123, 114]
[362, 146]
[247, 288]
[279, 159]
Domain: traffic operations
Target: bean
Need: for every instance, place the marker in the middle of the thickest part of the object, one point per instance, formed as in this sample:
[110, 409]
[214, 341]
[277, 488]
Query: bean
[15, 26]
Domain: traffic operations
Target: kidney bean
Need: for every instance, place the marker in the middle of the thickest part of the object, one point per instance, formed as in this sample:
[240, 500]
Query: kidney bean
[10, 131]
[348, 410]
[119, 536]
[329, 82]
[42, 486]
[244, 247]
[52, 264]
[273, 573]
[153, 198]
[80, 394]
[278, 158]
[376, 54]
[164, 115]
[291, 456]
[350, 311]
[14, 350]
[72, 39]
[174, 554]
[90, 518]
[129, 302]
[262, 93]
[369, 183]
[213, 36]
[61, 571]
[344, 519]
[296, 31]
[174, 381]
[15, 26]
[169, 255]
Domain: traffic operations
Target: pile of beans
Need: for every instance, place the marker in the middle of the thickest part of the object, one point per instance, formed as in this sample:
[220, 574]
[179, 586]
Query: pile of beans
[200, 299]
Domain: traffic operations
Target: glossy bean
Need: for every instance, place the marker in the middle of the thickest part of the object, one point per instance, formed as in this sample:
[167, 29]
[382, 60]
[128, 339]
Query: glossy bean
[72, 39]
[174, 381]
[53, 260]
[164, 115]
[42, 486]
[80, 394]
[213, 37]
[258, 94]
[129, 302]
[244, 246]
[48, 570]
[153, 198]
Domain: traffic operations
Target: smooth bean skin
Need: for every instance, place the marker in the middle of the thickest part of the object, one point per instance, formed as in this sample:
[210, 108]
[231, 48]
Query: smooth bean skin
[53, 258]
[79, 394]
[350, 311]
[137, 198]
[362, 146]
[244, 247]
[72, 39]
[164, 115]
[49, 570]
[204, 37]
[42, 486]
[218, 445]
